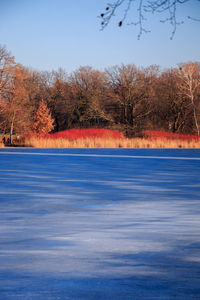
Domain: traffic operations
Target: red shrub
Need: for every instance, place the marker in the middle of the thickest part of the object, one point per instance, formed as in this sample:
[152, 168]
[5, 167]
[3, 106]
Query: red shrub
[73, 134]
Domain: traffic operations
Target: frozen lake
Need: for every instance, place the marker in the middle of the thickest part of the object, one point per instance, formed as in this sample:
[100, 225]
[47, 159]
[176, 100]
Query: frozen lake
[99, 224]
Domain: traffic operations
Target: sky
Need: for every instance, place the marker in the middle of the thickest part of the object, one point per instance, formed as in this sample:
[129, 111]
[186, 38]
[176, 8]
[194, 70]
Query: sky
[47, 35]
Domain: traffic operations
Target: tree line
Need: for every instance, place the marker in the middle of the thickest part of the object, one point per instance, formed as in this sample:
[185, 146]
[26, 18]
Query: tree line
[125, 97]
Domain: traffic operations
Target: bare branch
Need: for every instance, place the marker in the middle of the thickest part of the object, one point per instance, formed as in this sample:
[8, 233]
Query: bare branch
[141, 9]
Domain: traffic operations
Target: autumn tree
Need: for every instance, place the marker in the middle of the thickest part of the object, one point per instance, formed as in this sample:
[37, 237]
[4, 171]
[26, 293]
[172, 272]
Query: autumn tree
[43, 122]
[7, 69]
[15, 107]
[18, 107]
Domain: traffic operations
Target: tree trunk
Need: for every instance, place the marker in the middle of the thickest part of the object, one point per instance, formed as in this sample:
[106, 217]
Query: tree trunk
[195, 120]
[195, 115]
[11, 128]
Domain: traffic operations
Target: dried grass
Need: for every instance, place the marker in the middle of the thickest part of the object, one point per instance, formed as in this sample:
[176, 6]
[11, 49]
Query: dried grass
[39, 142]
[1, 142]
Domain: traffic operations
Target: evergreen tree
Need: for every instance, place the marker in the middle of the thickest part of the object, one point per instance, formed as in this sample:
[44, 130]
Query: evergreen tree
[43, 121]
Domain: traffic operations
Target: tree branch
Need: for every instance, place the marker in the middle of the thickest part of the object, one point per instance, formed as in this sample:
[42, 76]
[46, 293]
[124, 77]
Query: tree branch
[142, 8]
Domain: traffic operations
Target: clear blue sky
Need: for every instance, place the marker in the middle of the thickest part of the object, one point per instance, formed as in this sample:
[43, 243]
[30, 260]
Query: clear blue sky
[48, 34]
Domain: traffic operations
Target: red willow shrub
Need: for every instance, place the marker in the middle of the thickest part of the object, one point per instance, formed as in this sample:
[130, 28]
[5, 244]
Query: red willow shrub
[167, 135]
[73, 134]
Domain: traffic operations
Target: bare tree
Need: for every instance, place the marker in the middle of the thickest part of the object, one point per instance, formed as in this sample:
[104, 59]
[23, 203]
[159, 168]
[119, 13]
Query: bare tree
[7, 66]
[131, 90]
[89, 88]
[61, 104]
[170, 113]
[140, 11]
[189, 87]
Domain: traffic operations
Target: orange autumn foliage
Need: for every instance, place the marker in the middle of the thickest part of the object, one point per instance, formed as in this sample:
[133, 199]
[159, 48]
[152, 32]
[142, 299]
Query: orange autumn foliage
[43, 121]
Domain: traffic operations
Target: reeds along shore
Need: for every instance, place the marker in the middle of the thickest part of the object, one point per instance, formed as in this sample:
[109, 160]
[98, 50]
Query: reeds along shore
[39, 142]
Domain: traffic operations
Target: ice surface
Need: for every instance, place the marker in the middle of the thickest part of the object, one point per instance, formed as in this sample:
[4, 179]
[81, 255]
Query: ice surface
[99, 224]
